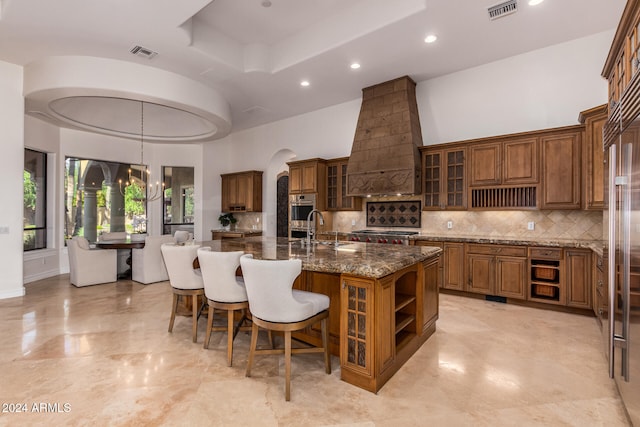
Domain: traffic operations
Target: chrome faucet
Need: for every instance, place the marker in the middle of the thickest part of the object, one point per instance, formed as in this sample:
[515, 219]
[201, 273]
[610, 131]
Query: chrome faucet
[309, 224]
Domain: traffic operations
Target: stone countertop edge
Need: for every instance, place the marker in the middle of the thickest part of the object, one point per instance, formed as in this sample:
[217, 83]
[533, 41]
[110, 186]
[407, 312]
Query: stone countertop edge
[595, 245]
[237, 230]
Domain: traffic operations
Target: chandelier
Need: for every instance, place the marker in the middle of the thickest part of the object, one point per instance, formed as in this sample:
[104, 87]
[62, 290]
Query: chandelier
[152, 192]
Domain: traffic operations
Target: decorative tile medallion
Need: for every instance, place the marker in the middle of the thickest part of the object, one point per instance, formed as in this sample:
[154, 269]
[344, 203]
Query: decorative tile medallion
[394, 214]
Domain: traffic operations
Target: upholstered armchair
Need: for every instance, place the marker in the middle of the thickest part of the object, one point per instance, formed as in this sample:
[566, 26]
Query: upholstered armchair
[90, 266]
[182, 236]
[147, 263]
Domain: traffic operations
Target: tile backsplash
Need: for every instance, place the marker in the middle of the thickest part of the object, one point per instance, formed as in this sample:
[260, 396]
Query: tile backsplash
[558, 224]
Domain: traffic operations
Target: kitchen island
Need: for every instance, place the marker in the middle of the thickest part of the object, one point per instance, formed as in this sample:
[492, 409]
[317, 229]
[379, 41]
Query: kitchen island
[384, 299]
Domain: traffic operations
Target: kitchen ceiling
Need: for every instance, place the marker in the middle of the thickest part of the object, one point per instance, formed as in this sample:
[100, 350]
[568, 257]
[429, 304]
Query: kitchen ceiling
[256, 56]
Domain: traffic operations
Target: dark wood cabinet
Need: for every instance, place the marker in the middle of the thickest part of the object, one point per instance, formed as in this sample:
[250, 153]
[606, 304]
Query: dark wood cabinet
[309, 177]
[521, 161]
[242, 192]
[444, 178]
[513, 161]
[337, 199]
[485, 163]
[561, 170]
[578, 277]
[497, 270]
[594, 121]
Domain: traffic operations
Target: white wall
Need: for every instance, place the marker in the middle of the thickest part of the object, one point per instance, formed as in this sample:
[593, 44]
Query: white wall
[541, 89]
[11, 193]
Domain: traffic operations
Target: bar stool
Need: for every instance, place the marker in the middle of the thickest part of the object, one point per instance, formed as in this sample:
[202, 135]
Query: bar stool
[184, 279]
[275, 306]
[224, 291]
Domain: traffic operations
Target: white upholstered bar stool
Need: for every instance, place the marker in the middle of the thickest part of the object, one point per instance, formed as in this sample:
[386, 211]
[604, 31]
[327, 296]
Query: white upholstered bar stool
[276, 306]
[224, 291]
[184, 279]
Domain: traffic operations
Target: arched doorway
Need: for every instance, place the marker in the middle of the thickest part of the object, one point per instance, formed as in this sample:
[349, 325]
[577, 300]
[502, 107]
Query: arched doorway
[282, 205]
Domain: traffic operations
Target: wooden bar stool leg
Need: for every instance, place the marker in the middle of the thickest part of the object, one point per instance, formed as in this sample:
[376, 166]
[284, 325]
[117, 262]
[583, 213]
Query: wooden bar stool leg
[252, 348]
[325, 344]
[229, 336]
[174, 308]
[287, 365]
[195, 317]
[207, 337]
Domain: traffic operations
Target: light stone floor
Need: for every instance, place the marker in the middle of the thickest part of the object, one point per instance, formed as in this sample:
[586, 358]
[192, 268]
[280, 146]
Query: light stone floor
[103, 355]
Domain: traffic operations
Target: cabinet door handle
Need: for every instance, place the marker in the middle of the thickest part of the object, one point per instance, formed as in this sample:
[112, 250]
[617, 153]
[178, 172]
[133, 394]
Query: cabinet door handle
[344, 284]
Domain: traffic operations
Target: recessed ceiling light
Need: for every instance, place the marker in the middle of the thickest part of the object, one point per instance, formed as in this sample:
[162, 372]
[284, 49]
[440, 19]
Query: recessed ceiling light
[430, 38]
[535, 2]
[266, 3]
[304, 83]
[355, 66]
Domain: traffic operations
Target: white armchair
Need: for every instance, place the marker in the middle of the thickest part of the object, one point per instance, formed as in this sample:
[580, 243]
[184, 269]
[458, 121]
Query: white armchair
[90, 267]
[182, 236]
[147, 263]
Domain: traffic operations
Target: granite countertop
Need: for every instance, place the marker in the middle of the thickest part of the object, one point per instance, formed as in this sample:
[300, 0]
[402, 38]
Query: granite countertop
[359, 259]
[238, 230]
[595, 245]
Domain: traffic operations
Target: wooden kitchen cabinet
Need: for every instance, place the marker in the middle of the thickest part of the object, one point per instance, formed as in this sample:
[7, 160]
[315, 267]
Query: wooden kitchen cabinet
[307, 176]
[356, 327]
[578, 277]
[561, 170]
[444, 178]
[497, 270]
[594, 121]
[384, 321]
[485, 162]
[510, 162]
[453, 268]
[600, 293]
[547, 281]
[242, 192]
[337, 199]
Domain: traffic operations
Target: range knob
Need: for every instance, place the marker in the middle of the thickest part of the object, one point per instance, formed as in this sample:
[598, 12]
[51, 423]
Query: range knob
[355, 239]
[368, 240]
[382, 240]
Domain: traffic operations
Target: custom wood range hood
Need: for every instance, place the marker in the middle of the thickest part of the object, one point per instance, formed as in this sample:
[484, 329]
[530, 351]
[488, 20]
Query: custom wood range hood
[384, 157]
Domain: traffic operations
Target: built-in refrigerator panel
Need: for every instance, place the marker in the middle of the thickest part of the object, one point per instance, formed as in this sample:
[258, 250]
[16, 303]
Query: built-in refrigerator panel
[624, 267]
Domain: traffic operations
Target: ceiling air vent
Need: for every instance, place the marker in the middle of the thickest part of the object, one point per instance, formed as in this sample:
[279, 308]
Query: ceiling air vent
[502, 9]
[143, 52]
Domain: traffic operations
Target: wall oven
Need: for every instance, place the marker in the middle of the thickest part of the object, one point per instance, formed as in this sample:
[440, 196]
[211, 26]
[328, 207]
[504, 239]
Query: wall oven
[300, 205]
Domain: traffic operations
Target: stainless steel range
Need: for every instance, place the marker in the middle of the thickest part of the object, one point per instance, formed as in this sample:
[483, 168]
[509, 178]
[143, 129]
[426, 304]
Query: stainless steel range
[395, 237]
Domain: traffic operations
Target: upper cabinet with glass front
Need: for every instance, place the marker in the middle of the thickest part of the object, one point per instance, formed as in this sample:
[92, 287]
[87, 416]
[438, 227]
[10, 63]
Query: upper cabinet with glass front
[444, 177]
[242, 192]
[337, 199]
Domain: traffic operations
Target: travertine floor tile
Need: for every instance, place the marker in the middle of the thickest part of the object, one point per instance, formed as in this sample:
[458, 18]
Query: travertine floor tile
[102, 356]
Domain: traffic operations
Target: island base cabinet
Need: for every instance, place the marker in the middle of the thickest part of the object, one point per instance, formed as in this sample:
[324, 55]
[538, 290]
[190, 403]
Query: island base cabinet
[384, 321]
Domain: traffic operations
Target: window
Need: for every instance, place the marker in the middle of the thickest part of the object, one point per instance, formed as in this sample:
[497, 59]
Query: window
[178, 208]
[35, 200]
[102, 196]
